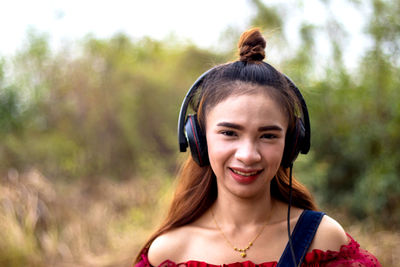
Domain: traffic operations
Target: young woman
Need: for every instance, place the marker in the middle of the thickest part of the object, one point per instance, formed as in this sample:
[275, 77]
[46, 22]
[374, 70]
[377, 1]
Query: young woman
[236, 200]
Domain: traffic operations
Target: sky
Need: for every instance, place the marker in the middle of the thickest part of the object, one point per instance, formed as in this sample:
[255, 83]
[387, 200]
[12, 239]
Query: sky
[68, 20]
[201, 21]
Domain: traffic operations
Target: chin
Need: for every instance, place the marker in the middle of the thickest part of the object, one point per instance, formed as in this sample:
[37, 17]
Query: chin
[251, 191]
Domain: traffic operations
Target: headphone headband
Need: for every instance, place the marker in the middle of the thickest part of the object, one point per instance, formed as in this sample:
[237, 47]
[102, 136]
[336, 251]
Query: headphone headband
[183, 142]
[299, 142]
[306, 118]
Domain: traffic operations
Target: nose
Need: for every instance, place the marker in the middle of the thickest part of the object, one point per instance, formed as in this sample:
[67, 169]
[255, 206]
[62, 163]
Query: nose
[248, 153]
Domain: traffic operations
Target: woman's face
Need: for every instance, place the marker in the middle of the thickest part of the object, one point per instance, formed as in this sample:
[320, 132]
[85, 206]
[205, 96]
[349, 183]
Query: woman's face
[245, 138]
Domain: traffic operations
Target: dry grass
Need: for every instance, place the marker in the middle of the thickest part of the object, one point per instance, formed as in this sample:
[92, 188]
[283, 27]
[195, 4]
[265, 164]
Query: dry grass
[103, 223]
[97, 223]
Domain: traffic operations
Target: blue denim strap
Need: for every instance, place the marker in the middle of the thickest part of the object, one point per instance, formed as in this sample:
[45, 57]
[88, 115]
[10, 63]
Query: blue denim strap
[302, 236]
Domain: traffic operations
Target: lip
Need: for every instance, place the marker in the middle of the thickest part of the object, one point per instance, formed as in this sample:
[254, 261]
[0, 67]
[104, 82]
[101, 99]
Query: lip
[245, 179]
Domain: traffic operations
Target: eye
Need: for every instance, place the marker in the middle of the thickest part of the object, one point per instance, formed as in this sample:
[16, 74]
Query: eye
[228, 133]
[269, 136]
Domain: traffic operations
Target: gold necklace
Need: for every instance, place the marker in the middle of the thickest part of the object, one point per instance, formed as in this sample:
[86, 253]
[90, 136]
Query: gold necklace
[242, 251]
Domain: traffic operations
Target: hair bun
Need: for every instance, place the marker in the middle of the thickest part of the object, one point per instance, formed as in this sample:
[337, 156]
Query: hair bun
[252, 46]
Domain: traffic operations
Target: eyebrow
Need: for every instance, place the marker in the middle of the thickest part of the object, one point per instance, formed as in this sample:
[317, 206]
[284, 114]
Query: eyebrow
[260, 129]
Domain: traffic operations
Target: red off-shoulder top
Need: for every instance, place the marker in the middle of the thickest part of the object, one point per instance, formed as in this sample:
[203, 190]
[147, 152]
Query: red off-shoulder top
[350, 255]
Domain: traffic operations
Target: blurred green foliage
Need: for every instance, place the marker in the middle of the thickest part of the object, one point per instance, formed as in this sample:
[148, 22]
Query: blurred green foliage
[110, 111]
[356, 121]
[110, 108]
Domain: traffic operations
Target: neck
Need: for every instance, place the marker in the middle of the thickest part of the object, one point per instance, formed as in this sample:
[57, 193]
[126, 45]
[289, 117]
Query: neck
[243, 212]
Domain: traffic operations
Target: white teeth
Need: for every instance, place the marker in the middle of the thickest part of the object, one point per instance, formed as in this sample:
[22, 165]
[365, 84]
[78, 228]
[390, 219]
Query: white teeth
[245, 173]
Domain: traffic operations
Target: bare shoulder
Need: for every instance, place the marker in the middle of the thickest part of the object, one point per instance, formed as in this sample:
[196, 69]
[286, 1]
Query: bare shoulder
[329, 236]
[167, 245]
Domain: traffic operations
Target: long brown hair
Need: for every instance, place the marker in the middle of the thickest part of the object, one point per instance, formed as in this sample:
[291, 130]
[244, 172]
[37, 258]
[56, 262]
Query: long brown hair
[197, 187]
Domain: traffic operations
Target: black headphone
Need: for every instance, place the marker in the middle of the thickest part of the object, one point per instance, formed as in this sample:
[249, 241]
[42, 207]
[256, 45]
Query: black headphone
[190, 133]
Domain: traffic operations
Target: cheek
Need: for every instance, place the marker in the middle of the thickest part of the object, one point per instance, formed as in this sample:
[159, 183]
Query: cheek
[274, 154]
[217, 152]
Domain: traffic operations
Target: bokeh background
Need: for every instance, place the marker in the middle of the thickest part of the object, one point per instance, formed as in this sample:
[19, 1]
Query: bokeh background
[89, 98]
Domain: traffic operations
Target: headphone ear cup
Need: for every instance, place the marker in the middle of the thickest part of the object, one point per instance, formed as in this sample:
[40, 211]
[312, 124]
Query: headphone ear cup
[197, 141]
[293, 144]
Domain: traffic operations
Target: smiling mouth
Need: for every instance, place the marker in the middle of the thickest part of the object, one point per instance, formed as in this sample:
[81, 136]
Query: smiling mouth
[245, 173]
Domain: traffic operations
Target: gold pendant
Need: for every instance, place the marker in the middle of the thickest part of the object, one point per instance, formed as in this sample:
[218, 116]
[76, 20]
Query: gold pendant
[243, 254]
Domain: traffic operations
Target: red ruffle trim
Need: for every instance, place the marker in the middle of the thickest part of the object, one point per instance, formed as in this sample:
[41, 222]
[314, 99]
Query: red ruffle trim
[350, 255]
